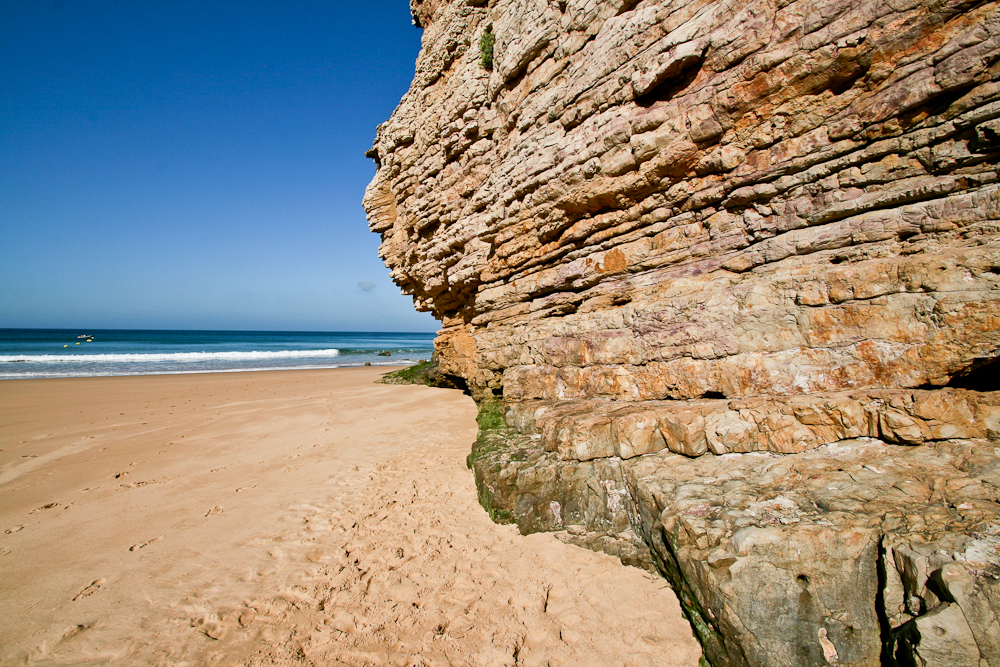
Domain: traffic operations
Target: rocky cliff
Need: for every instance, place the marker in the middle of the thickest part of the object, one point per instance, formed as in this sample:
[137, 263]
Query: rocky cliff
[733, 269]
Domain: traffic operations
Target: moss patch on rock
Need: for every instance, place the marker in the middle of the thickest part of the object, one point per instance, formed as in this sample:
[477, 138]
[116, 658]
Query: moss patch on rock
[426, 373]
[419, 373]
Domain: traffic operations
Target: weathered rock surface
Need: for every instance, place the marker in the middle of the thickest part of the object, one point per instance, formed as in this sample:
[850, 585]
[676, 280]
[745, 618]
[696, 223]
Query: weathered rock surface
[582, 430]
[858, 552]
[703, 241]
[657, 199]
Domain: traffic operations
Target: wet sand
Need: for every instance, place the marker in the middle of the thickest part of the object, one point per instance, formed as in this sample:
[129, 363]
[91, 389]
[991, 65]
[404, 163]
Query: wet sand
[286, 518]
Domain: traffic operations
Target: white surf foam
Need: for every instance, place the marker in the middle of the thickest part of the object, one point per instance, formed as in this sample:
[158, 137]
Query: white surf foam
[180, 357]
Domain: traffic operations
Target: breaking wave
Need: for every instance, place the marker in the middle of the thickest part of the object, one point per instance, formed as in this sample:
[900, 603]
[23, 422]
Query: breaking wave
[169, 357]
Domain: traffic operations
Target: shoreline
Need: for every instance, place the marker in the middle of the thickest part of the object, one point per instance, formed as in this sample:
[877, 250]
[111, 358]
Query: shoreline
[390, 366]
[259, 518]
[26, 354]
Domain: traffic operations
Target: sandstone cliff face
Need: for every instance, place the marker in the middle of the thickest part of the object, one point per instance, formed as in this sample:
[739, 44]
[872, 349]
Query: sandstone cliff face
[684, 231]
[665, 199]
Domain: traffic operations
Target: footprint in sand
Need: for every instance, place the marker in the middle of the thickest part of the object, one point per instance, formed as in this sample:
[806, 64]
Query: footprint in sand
[13, 530]
[136, 547]
[133, 485]
[345, 622]
[211, 625]
[215, 510]
[90, 590]
[317, 555]
[43, 507]
[74, 630]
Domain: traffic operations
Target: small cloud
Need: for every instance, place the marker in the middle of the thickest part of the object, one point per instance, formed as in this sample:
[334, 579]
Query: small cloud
[366, 286]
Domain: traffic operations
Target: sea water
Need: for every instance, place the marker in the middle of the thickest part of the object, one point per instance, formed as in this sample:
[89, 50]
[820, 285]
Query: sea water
[45, 353]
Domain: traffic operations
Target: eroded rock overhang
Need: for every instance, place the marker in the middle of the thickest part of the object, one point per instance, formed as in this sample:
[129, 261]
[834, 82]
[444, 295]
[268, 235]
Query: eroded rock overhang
[667, 199]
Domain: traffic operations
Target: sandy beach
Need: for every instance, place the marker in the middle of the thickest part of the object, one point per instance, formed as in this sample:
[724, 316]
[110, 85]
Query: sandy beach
[286, 518]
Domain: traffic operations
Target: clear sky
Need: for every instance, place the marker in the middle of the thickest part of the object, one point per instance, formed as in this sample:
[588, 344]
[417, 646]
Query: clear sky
[197, 164]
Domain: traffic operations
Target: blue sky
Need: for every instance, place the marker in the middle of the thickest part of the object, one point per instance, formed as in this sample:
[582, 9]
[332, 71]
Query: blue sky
[197, 164]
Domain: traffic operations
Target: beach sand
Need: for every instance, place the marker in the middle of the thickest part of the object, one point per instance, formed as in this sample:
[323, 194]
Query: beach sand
[286, 518]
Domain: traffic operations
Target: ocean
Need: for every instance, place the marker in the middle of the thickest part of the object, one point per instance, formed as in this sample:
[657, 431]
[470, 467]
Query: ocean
[48, 353]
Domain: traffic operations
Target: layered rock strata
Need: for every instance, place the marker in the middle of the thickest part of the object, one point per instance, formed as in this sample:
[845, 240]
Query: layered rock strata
[664, 199]
[678, 239]
[853, 553]
[582, 430]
